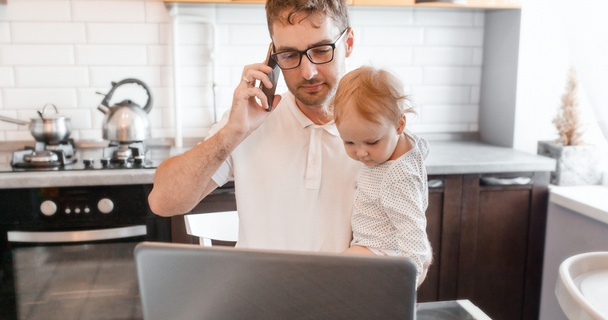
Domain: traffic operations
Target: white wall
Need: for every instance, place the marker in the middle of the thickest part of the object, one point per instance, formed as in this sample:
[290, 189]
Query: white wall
[553, 38]
[63, 51]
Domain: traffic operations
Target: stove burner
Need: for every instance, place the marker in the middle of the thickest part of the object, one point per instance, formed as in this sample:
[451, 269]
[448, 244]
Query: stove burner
[119, 154]
[45, 156]
[41, 157]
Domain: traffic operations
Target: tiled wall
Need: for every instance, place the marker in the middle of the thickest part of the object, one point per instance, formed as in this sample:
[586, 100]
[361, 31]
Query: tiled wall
[64, 51]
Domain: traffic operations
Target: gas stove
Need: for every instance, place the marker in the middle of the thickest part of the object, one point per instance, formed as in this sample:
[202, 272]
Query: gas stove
[45, 156]
[69, 156]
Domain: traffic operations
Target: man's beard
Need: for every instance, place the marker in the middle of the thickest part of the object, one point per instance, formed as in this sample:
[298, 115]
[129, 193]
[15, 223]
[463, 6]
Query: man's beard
[318, 99]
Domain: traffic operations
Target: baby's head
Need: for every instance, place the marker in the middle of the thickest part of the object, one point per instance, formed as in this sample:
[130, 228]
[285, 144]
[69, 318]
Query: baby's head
[369, 111]
[375, 94]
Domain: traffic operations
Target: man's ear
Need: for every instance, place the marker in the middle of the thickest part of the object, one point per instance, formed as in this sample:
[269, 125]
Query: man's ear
[401, 124]
[350, 40]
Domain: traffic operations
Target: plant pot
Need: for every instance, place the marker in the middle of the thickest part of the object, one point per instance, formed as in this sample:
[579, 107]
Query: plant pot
[576, 165]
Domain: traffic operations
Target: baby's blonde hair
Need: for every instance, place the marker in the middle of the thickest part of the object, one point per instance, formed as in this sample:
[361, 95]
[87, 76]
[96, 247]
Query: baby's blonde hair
[376, 95]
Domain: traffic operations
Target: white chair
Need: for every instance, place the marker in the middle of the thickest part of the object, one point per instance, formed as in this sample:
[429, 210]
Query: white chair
[582, 286]
[222, 226]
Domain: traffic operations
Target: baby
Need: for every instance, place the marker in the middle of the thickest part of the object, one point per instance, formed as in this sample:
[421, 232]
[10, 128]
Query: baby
[392, 193]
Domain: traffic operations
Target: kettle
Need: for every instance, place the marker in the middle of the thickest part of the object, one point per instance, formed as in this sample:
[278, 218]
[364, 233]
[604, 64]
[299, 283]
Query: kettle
[126, 121]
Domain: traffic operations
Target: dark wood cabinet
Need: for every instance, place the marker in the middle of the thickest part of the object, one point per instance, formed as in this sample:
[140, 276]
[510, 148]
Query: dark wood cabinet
[443, 221]
[501, 243]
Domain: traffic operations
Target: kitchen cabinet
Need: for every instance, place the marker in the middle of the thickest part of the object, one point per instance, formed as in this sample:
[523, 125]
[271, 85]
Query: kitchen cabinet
[443, 221]
[502, 231]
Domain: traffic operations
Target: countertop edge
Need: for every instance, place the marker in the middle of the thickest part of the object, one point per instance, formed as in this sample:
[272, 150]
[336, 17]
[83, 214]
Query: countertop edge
[44, 179]
[586, 200]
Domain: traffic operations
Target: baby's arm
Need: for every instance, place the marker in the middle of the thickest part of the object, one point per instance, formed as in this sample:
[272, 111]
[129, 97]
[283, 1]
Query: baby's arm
[358, 250]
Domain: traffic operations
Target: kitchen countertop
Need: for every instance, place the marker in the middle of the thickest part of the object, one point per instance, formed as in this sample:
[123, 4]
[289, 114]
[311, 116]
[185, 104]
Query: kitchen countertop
[99, 281]
[445, 157]
[589, 201]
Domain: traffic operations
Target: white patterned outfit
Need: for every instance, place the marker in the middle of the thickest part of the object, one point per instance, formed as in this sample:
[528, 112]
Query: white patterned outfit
[390, 204]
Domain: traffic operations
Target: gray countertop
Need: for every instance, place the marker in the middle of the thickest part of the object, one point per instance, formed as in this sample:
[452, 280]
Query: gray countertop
[445, 157]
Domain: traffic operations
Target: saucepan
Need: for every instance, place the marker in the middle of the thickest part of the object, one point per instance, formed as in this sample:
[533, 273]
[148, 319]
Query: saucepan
[51, 129]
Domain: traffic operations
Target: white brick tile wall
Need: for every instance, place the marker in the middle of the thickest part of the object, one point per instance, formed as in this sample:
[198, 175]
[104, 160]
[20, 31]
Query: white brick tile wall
[440, 17]
[5, 33]
[38, 10]
[111, 55]
[48, 32]
[36, 98]
[454, 37]
[122, 33]
[101, 76]
[443, 56]
[36, 55]
[156, 11]
[376, 16]
[51, 76]
[7, 79]
[64, 51]
[108, 11]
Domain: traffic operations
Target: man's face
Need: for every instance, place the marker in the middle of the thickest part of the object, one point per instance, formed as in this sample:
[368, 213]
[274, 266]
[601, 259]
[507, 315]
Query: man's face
[313, 85]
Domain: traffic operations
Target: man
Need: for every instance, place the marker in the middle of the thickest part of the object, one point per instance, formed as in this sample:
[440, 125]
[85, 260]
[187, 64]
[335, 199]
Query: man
[294, 182]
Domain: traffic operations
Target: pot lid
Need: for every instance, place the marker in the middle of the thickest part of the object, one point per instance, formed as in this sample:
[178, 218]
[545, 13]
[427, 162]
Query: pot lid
[49, 116]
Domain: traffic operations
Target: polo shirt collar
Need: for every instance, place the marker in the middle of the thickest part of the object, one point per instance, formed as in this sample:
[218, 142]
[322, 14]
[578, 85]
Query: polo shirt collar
[304, 121]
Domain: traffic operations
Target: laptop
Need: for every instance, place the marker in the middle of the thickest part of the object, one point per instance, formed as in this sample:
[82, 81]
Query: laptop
[183, 281]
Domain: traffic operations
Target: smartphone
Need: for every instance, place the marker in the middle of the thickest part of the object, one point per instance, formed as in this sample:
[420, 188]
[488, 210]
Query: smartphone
[273, 75]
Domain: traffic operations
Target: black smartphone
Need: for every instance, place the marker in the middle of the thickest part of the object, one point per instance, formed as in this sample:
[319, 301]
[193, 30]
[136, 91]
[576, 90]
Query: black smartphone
[273, 75]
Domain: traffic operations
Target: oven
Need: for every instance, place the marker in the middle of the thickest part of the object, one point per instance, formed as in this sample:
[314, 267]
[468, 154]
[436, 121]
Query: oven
[46, 229]
[45, 219]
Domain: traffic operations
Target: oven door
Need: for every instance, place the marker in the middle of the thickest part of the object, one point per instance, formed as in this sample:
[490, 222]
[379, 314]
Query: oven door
[71, 265]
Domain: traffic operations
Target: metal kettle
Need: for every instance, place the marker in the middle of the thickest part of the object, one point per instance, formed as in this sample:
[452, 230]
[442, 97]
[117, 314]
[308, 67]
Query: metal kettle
[126, 121]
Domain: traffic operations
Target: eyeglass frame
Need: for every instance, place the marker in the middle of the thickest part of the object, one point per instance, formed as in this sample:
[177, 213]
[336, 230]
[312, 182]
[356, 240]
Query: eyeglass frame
[305, 52]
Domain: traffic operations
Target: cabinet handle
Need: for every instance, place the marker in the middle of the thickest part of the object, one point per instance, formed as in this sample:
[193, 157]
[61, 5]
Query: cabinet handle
[435, 183]
[494, 181]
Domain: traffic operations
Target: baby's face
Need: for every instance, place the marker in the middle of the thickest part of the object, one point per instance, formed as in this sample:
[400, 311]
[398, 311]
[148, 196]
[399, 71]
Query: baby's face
[368, 142]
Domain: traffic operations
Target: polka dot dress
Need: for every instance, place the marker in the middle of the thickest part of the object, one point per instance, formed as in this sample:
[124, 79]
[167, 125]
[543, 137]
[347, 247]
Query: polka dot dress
[390, 204]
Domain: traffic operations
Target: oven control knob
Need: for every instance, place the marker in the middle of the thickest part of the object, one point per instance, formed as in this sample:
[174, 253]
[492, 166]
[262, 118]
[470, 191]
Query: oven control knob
[48, 208]
[105, 205]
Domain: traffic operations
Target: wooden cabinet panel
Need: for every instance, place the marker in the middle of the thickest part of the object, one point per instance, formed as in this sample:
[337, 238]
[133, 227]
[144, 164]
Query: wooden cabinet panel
[500, 226]
[443, 224]
[429, 290]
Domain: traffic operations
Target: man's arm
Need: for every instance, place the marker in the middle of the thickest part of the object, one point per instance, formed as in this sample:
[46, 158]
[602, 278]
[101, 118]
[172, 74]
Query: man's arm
[181, 182]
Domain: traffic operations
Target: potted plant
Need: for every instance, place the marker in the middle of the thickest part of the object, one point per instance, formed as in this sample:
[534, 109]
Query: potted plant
[577, 162]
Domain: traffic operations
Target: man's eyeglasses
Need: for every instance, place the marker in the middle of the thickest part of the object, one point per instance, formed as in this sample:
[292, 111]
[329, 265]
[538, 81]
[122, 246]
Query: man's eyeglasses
[318, 55]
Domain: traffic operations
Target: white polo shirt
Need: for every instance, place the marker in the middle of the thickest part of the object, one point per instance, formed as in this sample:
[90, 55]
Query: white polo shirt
[294, 184]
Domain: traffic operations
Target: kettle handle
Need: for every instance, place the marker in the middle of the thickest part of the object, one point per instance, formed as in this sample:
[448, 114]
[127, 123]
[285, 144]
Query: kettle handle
[147, 107]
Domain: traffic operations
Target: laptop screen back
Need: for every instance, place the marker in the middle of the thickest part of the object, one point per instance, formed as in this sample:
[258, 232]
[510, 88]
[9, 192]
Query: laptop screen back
[179, 281]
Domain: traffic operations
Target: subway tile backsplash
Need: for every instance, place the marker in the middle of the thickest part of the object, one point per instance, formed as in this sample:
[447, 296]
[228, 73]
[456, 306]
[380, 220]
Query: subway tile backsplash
[65, 52]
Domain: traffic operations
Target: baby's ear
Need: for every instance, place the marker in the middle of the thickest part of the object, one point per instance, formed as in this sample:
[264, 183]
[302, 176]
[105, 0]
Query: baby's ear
[401, 124]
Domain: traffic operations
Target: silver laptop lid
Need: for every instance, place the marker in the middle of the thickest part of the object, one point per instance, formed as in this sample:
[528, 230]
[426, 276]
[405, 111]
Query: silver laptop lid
[180, 281]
